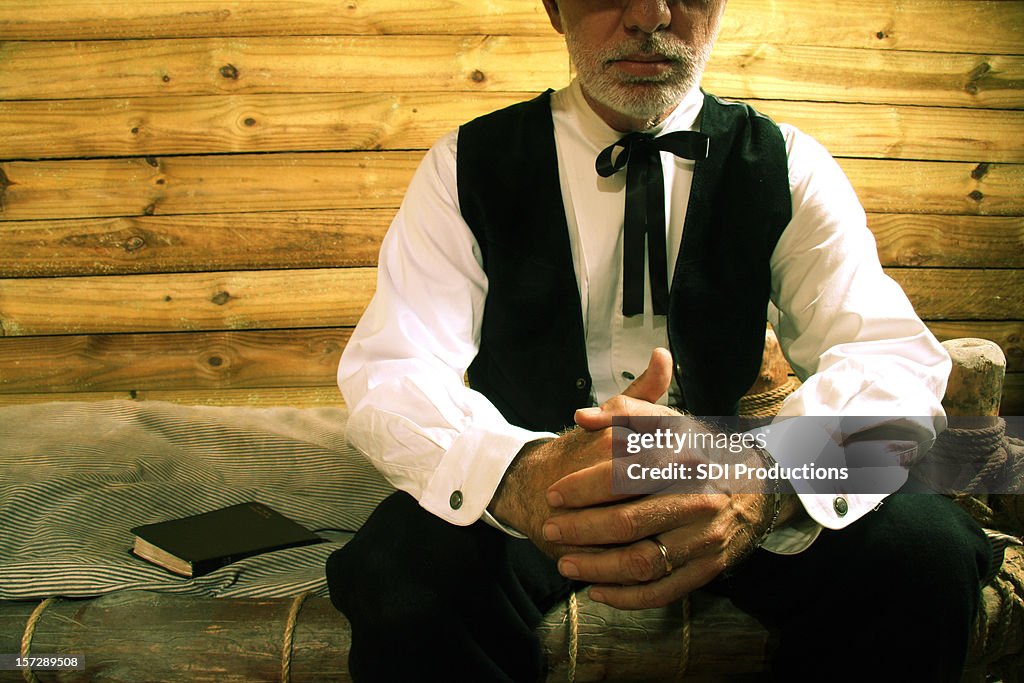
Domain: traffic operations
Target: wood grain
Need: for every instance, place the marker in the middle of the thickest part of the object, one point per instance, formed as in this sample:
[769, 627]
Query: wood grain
[983, 189]
[962, 293]
[298, 397]
[236, 123]
[451, 64]
[255, 359]
[798, 72]
[244, 183]
[929, 25]
[1013, 394]
[337, 297]
[179, 361]
[948, 241]
[206, 184]
[386, 121]
[310, 239]
[293, 65]
[175, 303]
[167, 244]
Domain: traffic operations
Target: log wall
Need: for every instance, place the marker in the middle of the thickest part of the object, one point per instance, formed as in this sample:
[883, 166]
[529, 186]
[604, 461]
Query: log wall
[192, 192]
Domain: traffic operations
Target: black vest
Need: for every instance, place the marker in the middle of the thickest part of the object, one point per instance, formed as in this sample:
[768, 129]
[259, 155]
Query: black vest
[532, 362]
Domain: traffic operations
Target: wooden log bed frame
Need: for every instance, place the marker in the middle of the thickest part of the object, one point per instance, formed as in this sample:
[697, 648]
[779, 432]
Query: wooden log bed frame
[296, 635]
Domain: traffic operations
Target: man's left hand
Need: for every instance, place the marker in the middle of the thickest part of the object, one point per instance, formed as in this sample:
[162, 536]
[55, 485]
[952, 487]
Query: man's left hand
[702, 533]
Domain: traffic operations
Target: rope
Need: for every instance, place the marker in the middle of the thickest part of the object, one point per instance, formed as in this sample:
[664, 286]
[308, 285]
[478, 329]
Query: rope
[684, 656]
[767, 403]
[573, 618]
[26, 639]
[289, 636]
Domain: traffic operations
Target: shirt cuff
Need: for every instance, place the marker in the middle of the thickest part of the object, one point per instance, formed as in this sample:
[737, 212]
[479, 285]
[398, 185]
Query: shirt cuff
[793, 538]
[795, 442]
[469, 473]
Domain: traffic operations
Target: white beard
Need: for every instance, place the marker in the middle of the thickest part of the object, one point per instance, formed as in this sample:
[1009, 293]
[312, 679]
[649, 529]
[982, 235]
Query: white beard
[640, 97]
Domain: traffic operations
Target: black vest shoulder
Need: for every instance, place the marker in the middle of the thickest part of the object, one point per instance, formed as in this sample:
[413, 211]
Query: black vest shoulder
[532, 360]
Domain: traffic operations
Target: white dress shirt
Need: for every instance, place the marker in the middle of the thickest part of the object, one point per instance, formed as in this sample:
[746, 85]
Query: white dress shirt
[847, 329]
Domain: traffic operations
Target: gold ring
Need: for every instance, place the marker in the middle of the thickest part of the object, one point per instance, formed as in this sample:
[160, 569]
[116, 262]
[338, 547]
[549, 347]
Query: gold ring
[664, 555]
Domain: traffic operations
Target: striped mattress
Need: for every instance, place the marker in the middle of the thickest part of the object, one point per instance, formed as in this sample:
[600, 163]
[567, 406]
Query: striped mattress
[76, 477]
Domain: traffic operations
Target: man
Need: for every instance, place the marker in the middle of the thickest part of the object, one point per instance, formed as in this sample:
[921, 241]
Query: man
[514, 260]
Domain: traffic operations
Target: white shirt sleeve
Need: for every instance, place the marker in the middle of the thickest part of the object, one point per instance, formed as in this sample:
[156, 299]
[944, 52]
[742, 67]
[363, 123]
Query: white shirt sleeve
[848, 331]
[402, 371]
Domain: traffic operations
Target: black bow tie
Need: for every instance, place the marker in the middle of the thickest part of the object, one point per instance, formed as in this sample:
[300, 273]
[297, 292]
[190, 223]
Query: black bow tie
[645, 209]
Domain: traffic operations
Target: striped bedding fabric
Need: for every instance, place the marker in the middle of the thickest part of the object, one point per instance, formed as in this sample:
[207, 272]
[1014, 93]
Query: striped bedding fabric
[76, 477]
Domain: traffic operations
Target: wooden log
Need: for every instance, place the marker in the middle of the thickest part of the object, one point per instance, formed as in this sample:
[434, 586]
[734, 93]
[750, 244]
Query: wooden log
[169, 244]
[249, 359]
[298, 397]
[775, 368]
[336, 297]
[213, 184]
[881, 24]
[949, 241]
[309, 239]
[33, 190]
[202, 301]
[300, 65]
[140, 636]
[927, 26]
[376, 121]
[799, 72]
[905, 132]
[294, 64]
[237, 123]
[937, 188]
[963, 294]
[1013, 394]
[112, 19]
[976, 382]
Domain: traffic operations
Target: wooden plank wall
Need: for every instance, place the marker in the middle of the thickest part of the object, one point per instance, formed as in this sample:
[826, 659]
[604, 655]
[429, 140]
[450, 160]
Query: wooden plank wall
[192, 192]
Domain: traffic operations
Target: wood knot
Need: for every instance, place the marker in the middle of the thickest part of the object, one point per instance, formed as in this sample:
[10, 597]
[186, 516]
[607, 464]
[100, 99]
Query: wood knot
[229, 71]
[478, 76]
[250, 121]
[980, 170]
[153, 162]
[220, 298]
[976, 195]
[973, 85]
[166, 78]
[215, 361]
[134, 243]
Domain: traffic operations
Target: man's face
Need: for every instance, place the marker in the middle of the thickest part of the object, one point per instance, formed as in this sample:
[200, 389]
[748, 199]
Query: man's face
[637, 58]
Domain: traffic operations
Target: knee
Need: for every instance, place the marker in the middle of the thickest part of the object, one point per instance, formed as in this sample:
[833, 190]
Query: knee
[928, 541]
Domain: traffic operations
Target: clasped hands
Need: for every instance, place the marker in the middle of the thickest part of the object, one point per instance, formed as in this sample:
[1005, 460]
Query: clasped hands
[636, 551]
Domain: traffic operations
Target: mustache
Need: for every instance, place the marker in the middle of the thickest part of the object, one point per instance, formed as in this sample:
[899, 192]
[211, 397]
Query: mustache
[655, 45]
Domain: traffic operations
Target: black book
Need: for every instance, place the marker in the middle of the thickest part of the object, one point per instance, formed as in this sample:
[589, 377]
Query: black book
[196, 545]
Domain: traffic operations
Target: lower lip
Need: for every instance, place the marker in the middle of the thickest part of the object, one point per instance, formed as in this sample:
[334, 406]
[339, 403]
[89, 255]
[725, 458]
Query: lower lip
[638, 68]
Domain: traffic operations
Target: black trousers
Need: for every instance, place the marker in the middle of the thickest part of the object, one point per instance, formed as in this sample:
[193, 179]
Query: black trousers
[891, 597]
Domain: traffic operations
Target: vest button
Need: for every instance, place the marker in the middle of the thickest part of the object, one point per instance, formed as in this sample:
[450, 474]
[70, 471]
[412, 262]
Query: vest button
[581, 383]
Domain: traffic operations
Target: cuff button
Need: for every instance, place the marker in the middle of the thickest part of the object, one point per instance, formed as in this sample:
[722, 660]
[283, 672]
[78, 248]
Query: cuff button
[840, 506]
[455, 501]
